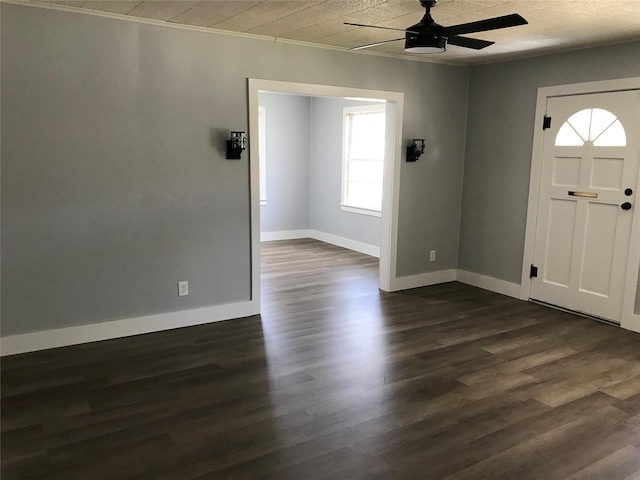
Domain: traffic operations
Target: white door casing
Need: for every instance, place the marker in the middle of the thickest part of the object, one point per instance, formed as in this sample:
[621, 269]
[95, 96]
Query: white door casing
[582, 238]
[388, 280]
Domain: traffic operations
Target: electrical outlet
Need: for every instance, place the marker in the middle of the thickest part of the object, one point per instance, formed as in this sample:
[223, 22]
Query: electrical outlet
[432, 256]
[183, 289]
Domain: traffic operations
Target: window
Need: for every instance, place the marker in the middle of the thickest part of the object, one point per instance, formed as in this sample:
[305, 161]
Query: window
[363, 159]
[262, 154]
[595, 125]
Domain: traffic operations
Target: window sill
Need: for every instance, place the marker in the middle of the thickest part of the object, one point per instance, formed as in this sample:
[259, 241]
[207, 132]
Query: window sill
[360, 210]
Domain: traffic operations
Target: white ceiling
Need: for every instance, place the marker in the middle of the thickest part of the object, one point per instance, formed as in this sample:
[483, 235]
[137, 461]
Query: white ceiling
[554, 25]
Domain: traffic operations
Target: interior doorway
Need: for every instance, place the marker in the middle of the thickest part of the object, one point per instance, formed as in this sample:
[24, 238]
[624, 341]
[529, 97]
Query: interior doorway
[391, 167]
[321, 169]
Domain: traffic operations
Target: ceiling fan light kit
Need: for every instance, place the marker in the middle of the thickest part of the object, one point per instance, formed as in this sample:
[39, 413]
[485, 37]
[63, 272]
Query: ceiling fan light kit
[427, 36]
[425, 44]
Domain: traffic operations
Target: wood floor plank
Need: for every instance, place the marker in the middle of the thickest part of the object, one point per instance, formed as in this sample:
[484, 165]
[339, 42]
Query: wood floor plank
[335, 380]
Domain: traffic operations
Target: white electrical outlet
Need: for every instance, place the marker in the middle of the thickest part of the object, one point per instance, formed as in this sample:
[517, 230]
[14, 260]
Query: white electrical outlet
[432, 256]
[183, 289]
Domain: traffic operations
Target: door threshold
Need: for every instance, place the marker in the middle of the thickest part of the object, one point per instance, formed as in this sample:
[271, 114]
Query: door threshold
[576, 312]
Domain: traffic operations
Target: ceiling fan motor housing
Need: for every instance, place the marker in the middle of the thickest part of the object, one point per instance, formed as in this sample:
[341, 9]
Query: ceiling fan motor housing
[426, 36]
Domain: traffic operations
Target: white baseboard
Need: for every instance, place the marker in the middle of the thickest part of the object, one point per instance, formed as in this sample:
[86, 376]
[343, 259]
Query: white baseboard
[323, 237]
[284, 235]
[432, 278]
[346, 243]
[422, 280]
[62, 337]
[488, 283]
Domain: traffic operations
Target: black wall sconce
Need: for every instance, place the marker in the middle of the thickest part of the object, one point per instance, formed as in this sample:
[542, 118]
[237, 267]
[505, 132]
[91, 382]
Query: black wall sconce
[236, 145]
[415, 149]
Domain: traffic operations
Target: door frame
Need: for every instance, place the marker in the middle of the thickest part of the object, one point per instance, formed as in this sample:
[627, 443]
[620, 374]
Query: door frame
[391, 176]
[630, 320]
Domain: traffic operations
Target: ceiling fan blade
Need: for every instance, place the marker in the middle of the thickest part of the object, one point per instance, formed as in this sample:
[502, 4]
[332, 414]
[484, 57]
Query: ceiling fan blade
[512, 20]
[467, 42]
[382, 28]
[375, 44]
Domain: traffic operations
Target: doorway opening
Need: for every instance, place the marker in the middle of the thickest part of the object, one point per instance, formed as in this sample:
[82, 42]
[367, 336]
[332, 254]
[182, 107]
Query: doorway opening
[393, 103]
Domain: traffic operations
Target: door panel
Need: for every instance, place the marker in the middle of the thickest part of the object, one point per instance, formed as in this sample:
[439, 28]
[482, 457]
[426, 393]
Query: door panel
[557, 267]
[606, 173]
[566, 171]
[597, 258]
[590, 156]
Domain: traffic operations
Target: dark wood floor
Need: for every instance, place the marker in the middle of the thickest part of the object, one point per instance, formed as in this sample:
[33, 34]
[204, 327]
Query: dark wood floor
[336, 381]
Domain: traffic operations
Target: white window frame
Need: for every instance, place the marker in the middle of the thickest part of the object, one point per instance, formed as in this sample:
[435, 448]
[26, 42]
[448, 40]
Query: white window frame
[262, 153]
[346, 138]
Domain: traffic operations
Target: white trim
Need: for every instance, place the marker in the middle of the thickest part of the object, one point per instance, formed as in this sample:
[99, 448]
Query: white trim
[423, 280]
[391, 192]
[365, 248]
[534, 190]
[442, 276]
[360, 210]
[284, 235]
[229, 33]
[347, 243]
[630, 320]
[62, 337]
[492, 284]
[262, 152]
[391, 180]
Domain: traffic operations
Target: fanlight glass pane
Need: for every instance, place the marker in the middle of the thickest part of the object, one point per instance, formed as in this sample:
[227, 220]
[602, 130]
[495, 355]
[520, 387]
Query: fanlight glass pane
[600, 121]
[592, 124]
[613, 136]
[567, 137]
[581, 122]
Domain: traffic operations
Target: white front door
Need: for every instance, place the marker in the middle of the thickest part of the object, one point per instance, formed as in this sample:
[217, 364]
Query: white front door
[587, 193]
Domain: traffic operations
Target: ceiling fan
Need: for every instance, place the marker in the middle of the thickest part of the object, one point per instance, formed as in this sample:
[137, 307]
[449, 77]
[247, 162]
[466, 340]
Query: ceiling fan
[427, 36]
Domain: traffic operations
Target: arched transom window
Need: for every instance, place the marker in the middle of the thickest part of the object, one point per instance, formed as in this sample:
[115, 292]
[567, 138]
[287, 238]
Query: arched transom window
[599, 127]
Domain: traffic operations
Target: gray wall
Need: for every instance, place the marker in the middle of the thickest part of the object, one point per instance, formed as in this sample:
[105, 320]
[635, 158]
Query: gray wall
[502, 101]
[326, 176]
[287, 134]
[114, 182]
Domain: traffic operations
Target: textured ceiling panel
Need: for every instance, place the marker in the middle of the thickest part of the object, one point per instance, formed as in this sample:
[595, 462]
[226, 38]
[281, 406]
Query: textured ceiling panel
[209, 13]
[161, 9]
[262, 13]
[357, 37]
[385, 11]
[313, 32]
[554, 25]
[453, 8]
[317, 14]
[372, 15]
[112, 6]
